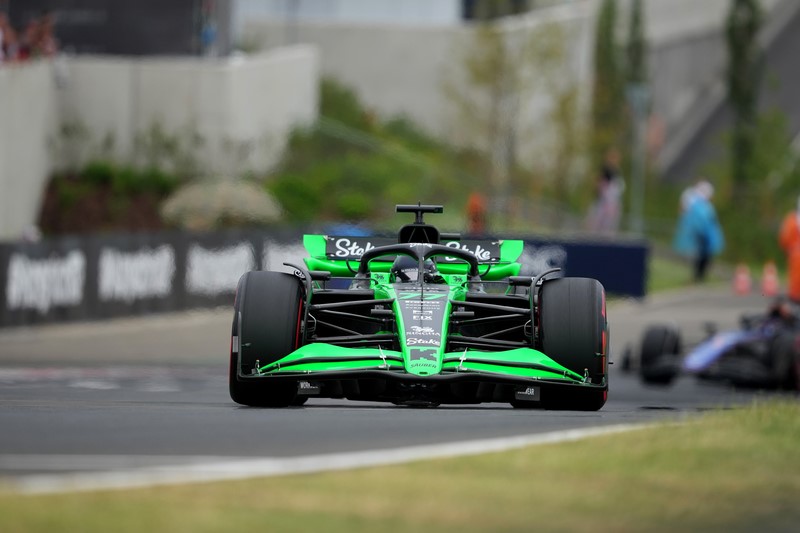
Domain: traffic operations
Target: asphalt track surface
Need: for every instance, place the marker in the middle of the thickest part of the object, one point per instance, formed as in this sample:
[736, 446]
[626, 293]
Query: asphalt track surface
[150, 392]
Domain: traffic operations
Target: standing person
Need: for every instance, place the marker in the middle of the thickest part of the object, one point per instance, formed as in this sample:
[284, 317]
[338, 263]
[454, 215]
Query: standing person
[605, 213]
[789, 240]
[699, 235]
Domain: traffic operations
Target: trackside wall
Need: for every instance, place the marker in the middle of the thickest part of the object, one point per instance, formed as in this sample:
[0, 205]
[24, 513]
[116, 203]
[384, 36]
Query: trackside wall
[229, 115]
[402, 70]
[27, 123]
[398, 69]
[95, 277]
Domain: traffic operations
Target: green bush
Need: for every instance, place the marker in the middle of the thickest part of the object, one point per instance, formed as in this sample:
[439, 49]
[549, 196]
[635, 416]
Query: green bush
[126, 179]
[103, 196]
[341, 104]
[69, 191]
[354, 205]
[751, 217]
[98, 172]
[349, 187]
[300, 199]
[159, 181]
[353, 166]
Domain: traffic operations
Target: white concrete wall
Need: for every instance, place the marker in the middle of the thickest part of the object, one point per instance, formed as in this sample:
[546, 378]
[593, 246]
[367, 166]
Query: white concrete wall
[688, 58]
[242, 107]
[269, 95]
[400, 70]
[96, 96]
[393, 69]
[27, 117]
[402, 12]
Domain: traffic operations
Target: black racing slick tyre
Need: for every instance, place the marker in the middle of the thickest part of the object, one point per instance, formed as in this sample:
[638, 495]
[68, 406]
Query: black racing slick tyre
[266, 327]
[784, 358]
[660, 355]
[573, 331]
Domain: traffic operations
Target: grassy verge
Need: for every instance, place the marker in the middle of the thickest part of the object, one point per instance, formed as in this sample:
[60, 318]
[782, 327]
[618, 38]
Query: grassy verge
[668, 272]
[731, 470]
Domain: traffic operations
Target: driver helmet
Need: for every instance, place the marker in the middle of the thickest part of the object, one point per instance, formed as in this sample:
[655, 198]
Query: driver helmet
[405, 270]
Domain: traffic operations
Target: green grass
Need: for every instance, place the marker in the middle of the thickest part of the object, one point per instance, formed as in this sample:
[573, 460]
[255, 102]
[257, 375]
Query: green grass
[667, 272]
[735, 470]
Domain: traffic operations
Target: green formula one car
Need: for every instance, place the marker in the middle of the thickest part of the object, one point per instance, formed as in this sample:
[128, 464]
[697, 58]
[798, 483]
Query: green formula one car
[422, 320]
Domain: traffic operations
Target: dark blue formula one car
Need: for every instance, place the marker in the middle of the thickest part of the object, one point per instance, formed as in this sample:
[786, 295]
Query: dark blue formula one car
[763, 353]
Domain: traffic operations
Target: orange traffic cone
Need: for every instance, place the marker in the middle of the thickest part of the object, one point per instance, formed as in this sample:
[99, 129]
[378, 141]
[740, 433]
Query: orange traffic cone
[742, 283]
[770, 285]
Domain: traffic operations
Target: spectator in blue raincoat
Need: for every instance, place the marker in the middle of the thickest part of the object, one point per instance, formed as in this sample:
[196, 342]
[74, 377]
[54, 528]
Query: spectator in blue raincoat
[699, 235]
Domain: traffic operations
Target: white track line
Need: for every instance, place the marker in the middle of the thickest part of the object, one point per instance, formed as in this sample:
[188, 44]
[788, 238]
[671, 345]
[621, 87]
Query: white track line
[221, 469]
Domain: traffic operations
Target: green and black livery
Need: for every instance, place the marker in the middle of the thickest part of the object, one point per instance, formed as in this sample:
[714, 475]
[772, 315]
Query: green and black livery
[342, 325]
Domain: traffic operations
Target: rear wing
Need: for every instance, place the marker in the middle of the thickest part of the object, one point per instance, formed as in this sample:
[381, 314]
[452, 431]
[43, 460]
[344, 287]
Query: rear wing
[340, 254]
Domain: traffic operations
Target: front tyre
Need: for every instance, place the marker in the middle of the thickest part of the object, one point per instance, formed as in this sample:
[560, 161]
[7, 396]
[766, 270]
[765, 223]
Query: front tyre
[659, 355]
[573, 331]
[784, 361]
[266, 327]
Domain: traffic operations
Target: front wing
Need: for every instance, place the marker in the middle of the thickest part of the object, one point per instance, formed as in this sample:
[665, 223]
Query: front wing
[469, 376]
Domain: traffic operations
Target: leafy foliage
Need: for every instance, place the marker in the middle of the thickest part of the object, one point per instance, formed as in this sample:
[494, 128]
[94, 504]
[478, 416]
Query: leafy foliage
[744, 80]
[636, 47]
[104, 196]
[125, 179]
[608, 109]
[492, 9]
[496, 90]
[751, 220]
[351, 165]
[760, 178]
[341, 104]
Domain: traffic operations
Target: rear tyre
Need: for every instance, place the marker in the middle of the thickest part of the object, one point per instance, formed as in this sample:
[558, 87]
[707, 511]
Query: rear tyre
[573, 330]
[661, 348]
[266, 321]
[784, 360]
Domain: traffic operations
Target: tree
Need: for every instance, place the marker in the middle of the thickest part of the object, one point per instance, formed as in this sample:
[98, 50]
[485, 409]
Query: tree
[486, 10]
[638, 96]
[608, 102]
[744, 80]
[636, 50]
[502, 70]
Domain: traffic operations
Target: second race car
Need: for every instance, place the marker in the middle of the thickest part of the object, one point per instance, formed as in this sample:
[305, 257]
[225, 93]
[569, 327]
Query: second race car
[763, 353]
